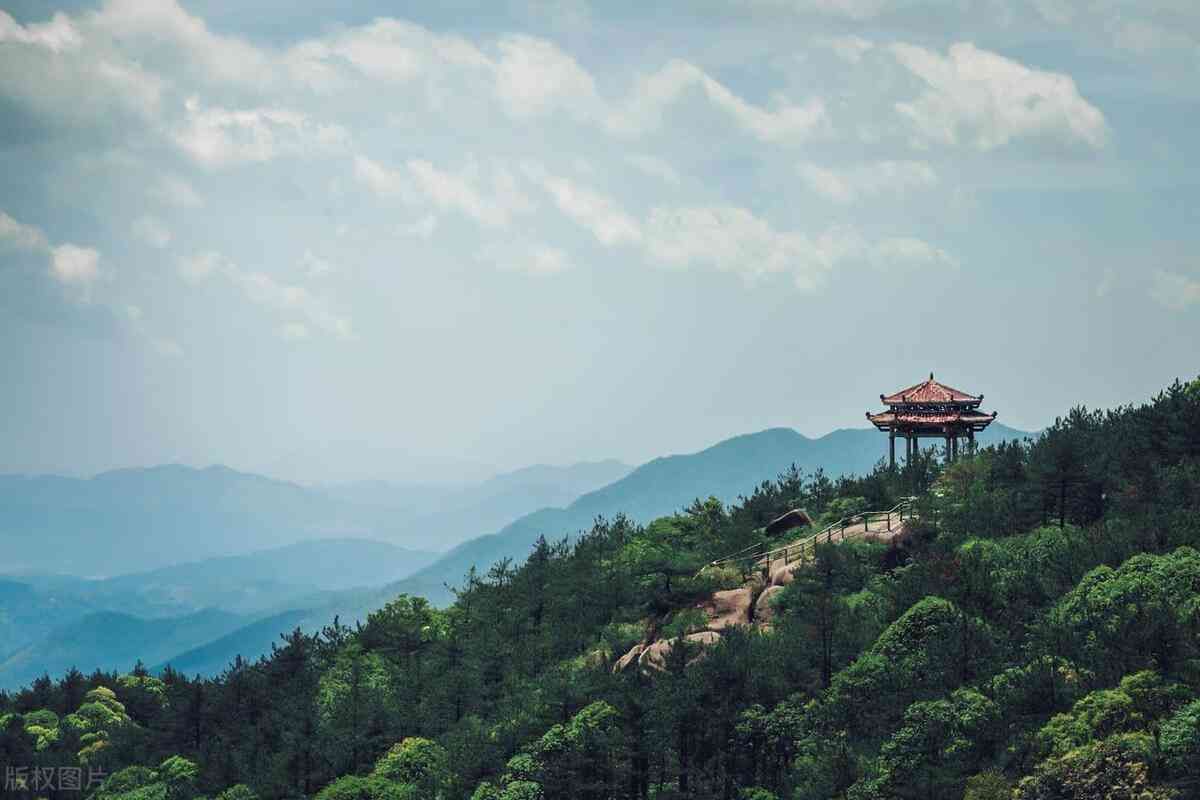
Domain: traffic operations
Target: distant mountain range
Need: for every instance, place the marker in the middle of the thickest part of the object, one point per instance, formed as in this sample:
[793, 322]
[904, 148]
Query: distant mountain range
[53, 622]
[143, 523]
[134, 520]
[261, 596]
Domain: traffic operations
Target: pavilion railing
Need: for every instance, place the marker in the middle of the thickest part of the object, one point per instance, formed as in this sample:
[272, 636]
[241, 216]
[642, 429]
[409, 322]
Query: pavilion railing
[757, 554]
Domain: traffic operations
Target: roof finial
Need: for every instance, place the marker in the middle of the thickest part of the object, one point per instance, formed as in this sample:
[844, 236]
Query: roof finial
[931, 375]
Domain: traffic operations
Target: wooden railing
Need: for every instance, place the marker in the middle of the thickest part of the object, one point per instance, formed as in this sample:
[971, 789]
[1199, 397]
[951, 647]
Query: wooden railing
[804, 549]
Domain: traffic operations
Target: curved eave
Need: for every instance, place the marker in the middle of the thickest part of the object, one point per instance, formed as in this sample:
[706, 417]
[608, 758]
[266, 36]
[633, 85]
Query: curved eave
[930, 424]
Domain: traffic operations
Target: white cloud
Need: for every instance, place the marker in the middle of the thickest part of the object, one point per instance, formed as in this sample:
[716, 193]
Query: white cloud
[141, 89]
[188, 41]
[19, 235]
[284, 299]
[152, 231]
[653, 94]
[548, 261]
[176, 191]
[461, 192]
[599, 214]
[1144, 37]
[383, 50]
[907, 251]
[220, 137]
[1173, 291]
[1059, 12]
[394, 53]
[847, 9]
[313, 265]
[135, 321]
[538, 260]
[449, 191]
[654, 167]
[71, 264]
[199, 267]
[978, 98]
[381, 180]
[398, 51]
[731, 239]
[294, 331]
[864, 181]
[850, 49]
[57, 35]
[78, 270]
[421, 229]
[263, 290]
[533, 76]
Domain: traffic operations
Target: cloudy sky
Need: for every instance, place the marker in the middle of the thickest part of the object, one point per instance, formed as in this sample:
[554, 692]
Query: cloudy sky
[423, 241]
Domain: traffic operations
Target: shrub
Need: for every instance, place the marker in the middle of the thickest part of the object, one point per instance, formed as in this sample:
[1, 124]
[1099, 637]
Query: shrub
[372, 787]
[415, 761]
[989, 785]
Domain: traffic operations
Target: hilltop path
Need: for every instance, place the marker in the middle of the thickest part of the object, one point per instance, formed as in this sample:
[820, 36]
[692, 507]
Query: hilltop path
[766, 572]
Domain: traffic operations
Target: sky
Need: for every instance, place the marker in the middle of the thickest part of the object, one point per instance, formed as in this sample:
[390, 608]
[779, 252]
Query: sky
[426, 242]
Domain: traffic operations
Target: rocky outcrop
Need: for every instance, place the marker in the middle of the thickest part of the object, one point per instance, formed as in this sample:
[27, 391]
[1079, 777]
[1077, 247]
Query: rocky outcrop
[764, 612]
[630, 658]
[654, 656]
[781, 574]
[729, 608]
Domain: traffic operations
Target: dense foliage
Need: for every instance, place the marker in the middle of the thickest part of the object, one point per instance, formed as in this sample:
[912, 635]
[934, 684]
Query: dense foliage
[1035, 636]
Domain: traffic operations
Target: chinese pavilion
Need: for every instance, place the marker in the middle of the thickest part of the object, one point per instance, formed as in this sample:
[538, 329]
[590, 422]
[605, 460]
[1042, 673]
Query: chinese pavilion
[930, 409]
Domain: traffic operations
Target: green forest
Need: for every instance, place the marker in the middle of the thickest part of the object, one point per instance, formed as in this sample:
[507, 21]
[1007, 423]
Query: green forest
[1035, 635]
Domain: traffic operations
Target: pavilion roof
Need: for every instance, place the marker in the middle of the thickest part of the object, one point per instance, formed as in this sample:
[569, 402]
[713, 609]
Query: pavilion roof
[892, 417]
[931, 392]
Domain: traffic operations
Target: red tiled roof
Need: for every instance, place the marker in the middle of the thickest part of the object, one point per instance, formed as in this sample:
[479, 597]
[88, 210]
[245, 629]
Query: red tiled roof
[930, 391]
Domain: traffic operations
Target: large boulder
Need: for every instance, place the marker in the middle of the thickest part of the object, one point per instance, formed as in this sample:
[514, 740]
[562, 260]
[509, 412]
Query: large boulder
[624, 662]
[781, 574]
[764, 612]
[654, 656]
[729, 608]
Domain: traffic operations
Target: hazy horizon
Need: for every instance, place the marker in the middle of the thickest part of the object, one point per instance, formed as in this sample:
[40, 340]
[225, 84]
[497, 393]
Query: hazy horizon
[441, 243]
[481, 472]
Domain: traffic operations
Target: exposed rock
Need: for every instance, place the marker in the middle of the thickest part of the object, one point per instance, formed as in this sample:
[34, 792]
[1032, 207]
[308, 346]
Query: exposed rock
[703, 637]
[764, 612]
[629, 658]
[781, 575]
[757, 581]
[654, 656]
[729, 608]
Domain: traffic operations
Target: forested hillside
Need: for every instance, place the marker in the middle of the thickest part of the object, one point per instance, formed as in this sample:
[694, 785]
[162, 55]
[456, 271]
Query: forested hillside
[1035, 635]
[727, 470]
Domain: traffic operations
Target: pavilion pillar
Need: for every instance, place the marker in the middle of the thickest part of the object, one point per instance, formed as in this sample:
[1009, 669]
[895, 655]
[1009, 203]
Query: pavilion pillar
[892, 448]
[971, 440]
[949, 450]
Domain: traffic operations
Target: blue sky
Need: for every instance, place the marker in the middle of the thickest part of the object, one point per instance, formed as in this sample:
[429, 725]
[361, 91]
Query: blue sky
[420, 244]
